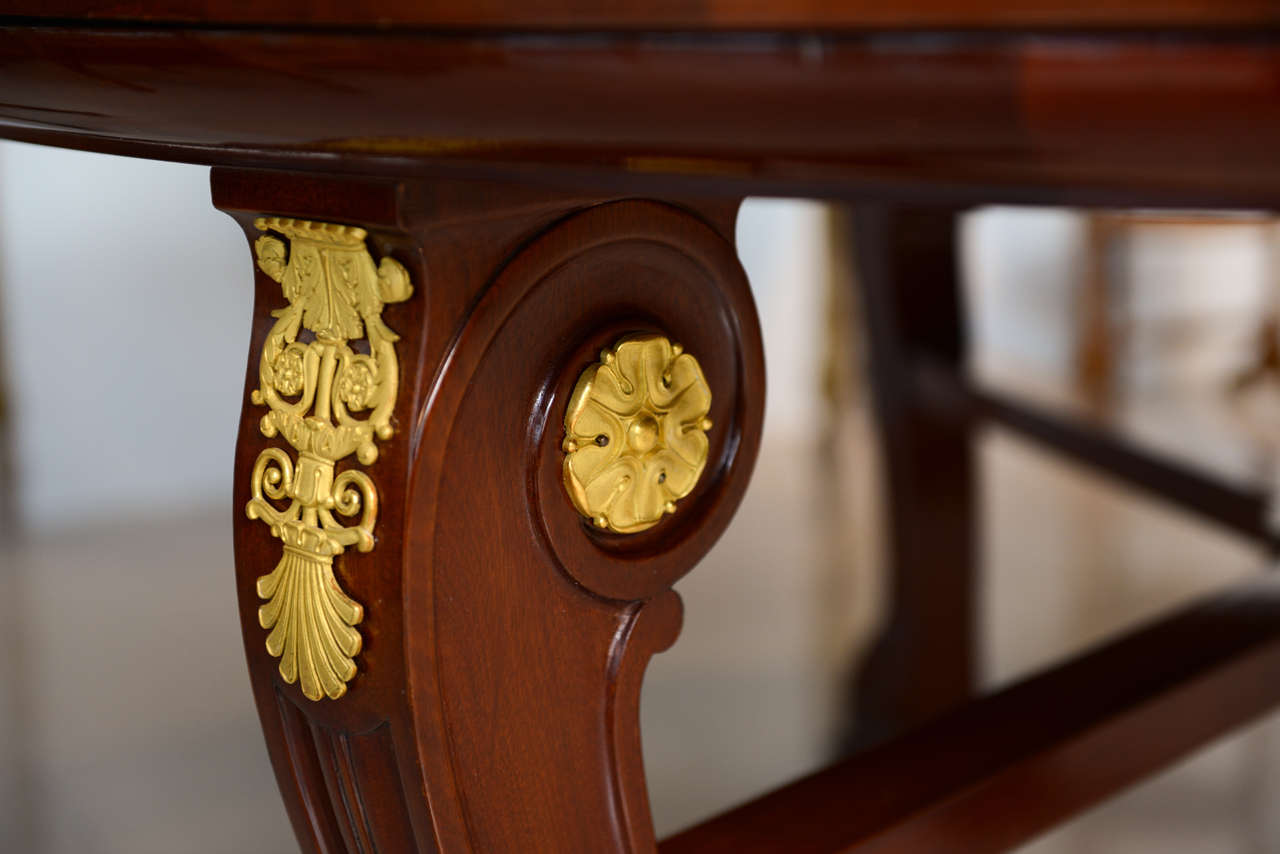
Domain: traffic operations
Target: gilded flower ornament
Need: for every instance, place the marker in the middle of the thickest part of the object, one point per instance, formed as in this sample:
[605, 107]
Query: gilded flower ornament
[357, 383]
[289, 367]
[636, 434]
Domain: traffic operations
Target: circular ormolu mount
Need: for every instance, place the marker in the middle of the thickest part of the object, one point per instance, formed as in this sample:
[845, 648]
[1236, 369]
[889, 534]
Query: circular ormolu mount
[636, 433]
[496, 426]
[514, 603]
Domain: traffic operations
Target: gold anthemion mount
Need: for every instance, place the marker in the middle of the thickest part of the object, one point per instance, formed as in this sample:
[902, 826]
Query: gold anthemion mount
[329, 400]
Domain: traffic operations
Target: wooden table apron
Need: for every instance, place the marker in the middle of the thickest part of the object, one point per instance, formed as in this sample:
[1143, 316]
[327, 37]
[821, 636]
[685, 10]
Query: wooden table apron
[1049, 116]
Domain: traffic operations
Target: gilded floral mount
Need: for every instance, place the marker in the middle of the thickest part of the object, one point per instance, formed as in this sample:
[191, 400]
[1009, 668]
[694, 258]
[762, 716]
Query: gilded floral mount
[329, 400]
[636, 434]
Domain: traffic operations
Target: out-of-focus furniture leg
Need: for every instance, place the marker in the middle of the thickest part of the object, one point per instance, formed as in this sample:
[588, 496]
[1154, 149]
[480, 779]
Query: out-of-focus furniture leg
[923, 660]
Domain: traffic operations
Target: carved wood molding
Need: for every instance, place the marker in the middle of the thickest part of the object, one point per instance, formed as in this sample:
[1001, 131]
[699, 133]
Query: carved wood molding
[505, 636]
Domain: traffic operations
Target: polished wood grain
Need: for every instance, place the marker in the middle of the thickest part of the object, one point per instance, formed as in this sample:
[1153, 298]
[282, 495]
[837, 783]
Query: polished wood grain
[497, 700]
[557, 173]
[1185, 118]
[665, 14]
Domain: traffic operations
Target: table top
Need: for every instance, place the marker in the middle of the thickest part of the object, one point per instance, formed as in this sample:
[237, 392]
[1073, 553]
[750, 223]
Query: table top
[1126, 103]
[581, 15]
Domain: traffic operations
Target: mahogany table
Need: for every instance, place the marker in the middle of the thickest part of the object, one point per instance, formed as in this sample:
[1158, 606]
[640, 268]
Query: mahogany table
[505, 382]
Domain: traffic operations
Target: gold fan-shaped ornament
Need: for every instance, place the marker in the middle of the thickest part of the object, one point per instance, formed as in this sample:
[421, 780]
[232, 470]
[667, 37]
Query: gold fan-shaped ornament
[636, 433]
[329, 402]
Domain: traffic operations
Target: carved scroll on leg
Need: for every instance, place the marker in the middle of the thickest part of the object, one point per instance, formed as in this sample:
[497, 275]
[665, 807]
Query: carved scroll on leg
[407, 543]
[531, 606]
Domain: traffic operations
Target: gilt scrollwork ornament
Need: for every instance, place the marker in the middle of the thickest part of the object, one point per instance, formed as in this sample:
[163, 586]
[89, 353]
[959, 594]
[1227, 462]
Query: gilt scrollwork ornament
[636, 434]
[330, 397]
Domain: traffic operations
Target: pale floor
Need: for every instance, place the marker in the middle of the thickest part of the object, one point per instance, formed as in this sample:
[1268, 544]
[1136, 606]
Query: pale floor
[131, 729]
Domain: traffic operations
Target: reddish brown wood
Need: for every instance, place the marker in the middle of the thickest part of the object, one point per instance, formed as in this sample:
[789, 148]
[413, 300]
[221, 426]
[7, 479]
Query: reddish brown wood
[505, 640]
[994, 774]
[1114, 117]
[667, 14]
[496, 707]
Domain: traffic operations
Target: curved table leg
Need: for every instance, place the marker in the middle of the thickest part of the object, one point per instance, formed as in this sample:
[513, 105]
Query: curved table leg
[446, 656]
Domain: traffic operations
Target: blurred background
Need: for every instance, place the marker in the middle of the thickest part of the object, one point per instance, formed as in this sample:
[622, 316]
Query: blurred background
[126, 722]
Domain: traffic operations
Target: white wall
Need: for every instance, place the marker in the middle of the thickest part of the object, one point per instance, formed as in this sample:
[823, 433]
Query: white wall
[126, 319]
[1185, 302]
[1023, 267]
[782, 244]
